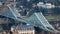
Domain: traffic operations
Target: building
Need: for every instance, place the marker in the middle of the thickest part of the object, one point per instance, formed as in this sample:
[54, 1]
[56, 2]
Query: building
[41, 4]
[23, 29]
[45, 5]
[49, 5]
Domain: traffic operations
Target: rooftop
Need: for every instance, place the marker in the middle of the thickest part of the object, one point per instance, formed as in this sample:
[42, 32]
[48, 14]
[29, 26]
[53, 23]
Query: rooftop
[24, 27]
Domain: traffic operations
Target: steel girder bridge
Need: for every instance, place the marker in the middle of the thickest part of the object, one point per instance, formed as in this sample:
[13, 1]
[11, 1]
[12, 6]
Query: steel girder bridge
[37, 19]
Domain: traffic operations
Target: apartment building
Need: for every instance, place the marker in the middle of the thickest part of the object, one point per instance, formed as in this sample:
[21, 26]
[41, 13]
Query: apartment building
[23, 29]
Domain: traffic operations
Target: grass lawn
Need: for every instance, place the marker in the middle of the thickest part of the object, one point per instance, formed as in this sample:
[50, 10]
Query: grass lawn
[52, 17]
